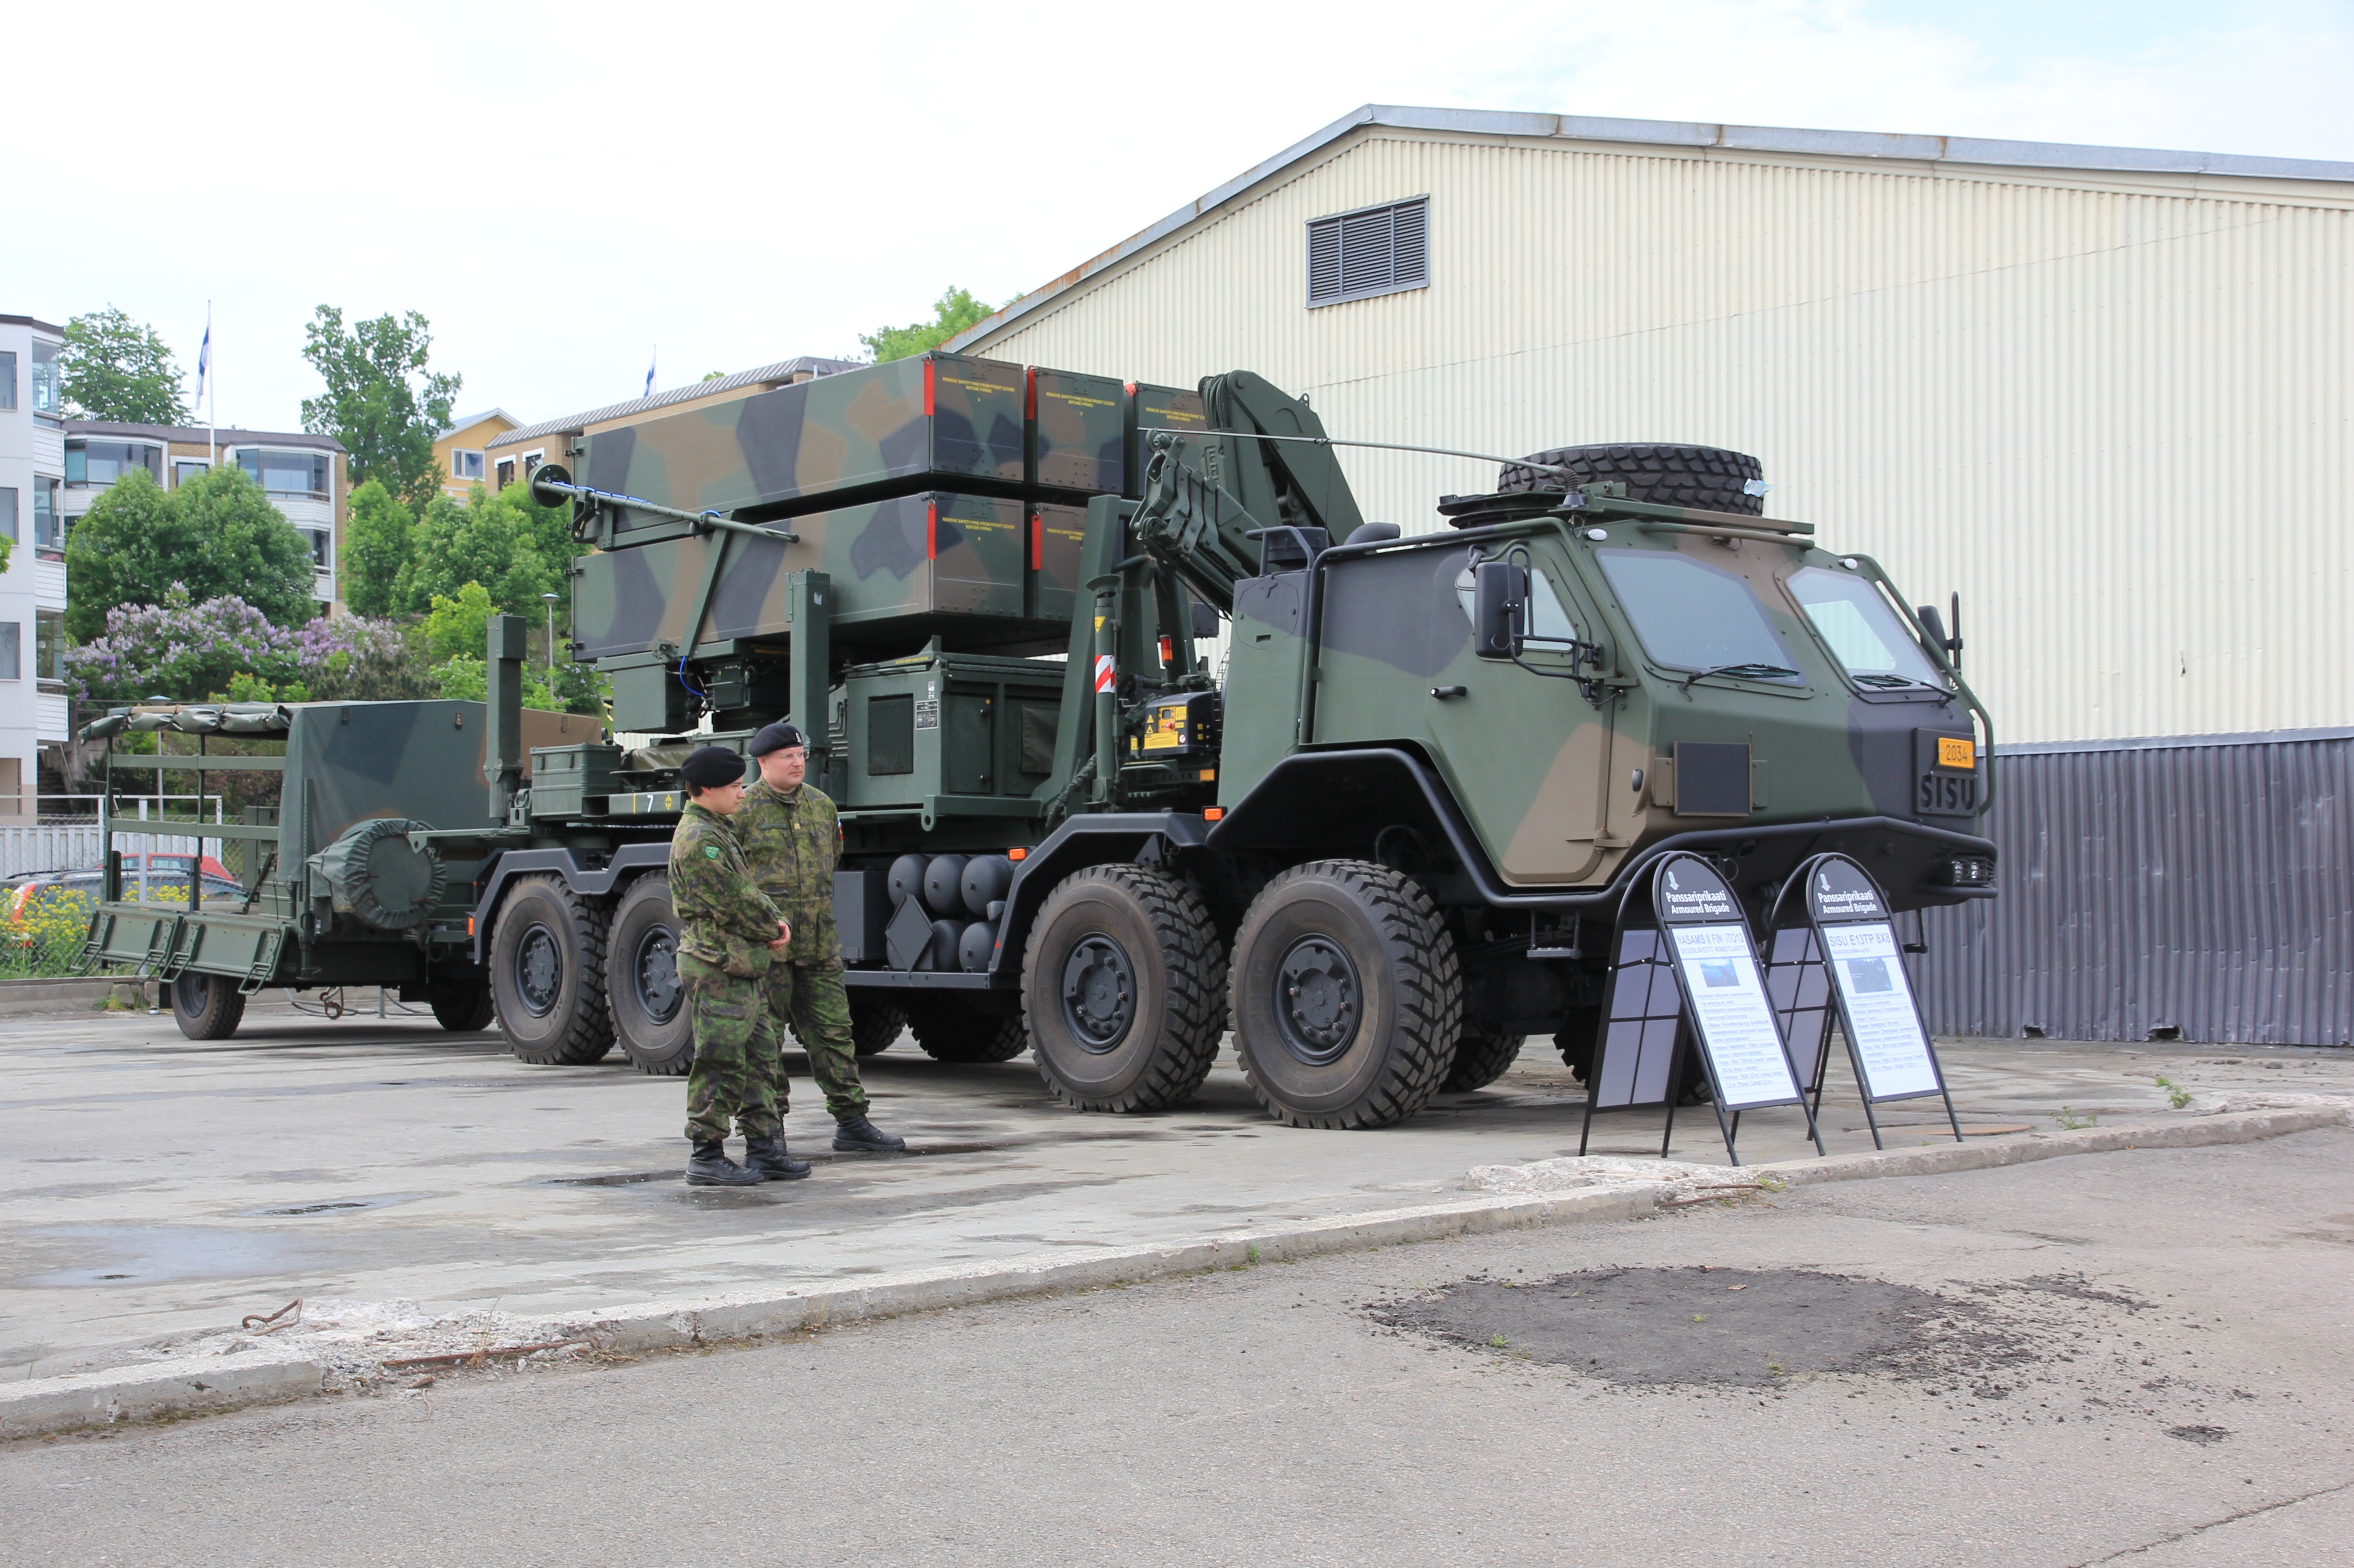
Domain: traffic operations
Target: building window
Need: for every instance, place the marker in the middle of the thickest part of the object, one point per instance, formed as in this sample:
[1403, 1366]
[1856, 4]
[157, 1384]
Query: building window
[186, 468]
[8, 378]
[284, 472]
[506, 473]
[49, 646]
[1379, 251]
[531, 462]
[322, 548]
[103, 462]
[8, 513]
[48, 383]
[49, 522]
[465, 465]
[12, 651]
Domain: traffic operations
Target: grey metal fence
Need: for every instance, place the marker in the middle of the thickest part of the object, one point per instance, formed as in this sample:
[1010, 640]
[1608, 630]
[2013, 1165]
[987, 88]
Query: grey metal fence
[2194, 888]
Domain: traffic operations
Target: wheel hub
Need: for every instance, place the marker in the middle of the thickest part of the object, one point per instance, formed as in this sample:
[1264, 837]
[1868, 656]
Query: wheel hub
[539, 970]
[1317, 1001]
[1098, 993]
[659, 991]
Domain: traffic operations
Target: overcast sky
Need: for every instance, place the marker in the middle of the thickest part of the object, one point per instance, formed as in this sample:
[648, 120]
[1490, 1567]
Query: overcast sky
[565, 189]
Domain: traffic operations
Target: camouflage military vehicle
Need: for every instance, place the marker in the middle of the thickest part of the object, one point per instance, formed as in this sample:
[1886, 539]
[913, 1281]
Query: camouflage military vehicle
[1384, 843]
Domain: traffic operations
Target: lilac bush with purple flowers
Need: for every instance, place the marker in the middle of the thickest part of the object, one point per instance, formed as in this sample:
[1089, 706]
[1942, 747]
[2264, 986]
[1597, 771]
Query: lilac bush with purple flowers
[226, 648]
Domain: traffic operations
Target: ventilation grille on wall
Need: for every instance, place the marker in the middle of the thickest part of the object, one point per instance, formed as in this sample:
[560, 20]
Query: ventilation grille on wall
[1378, 250]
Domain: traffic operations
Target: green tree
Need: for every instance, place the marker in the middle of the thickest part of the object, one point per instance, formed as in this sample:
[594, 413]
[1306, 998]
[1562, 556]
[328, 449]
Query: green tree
[512, 548]
[381, 402]
[378, 543]
[216, 534]
[954, 312]
[458, 626]
[116, 368]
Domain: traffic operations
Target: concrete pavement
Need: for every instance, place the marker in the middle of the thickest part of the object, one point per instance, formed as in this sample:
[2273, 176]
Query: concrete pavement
[2131, 1358]
[156, 1187]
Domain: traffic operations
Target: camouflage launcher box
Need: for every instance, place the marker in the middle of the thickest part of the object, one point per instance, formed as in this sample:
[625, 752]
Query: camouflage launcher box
[978, 571]
[938, 422]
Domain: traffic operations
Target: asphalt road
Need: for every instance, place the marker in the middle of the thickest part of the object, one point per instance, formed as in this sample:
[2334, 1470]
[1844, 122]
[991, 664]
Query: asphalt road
[2135, 1357]
[151, 1186]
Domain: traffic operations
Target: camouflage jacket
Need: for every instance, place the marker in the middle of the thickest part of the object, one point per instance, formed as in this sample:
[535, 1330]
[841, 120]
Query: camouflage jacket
[794, 841]
[723, 918]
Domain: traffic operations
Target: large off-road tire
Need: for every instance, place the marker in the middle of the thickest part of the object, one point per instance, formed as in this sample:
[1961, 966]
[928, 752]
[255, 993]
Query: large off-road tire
[1347, 995]
[547, 973]
[205, 1007]
[1480, 1060]
[1123, 988]
[643, 990]
[876, 1020]
[464, 1008]
[951, 1029]
[1710, 478]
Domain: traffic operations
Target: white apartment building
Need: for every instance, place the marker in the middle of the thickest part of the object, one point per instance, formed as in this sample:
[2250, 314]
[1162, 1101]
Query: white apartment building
[305, 476]
[32, 592]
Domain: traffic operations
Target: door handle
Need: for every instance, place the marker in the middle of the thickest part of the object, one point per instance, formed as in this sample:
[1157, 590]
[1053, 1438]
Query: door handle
[1443, 692]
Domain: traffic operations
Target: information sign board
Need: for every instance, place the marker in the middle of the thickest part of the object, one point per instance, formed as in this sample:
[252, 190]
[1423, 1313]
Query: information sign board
[1854, 935]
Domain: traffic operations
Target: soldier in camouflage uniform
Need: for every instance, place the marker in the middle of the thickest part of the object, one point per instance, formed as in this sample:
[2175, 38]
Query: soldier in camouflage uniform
[793, 839]
[729, 938]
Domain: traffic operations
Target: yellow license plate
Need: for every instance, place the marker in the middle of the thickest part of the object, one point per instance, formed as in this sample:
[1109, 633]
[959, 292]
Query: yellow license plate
[1953, 753]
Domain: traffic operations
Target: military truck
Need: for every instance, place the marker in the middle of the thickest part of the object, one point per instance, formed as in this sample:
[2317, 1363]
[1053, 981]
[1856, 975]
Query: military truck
[1383, 841]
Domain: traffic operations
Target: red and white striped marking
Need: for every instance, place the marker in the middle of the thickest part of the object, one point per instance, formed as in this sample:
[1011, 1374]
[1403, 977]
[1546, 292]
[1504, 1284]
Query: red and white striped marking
[1102, 672]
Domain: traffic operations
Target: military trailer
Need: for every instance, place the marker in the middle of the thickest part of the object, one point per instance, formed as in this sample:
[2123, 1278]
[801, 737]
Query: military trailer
[1384, 841]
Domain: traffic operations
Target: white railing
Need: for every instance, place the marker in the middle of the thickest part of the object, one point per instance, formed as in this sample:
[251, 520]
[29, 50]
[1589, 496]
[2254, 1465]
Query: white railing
[49, 847]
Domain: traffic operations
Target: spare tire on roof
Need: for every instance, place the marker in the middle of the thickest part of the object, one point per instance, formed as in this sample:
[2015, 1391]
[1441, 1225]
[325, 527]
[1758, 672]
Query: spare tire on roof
[1710, 478]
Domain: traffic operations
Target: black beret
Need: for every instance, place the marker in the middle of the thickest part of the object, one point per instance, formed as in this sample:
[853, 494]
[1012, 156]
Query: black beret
[709, 767]
[779, 736]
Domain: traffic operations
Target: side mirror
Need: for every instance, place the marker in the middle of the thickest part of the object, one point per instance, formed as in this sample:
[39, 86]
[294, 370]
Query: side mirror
[1499, 609]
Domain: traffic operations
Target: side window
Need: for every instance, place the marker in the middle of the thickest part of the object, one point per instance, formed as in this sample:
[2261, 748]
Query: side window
[1548, 620]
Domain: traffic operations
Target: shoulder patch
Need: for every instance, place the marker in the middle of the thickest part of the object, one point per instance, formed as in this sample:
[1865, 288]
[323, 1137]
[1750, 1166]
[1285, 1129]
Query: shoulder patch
[711, 852]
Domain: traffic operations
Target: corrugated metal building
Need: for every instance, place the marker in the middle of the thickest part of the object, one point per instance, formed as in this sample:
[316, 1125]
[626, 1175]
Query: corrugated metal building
[2104, 393]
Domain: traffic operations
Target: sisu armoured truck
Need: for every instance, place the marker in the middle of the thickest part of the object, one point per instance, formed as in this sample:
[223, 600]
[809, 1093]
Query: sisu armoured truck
[1383, 840]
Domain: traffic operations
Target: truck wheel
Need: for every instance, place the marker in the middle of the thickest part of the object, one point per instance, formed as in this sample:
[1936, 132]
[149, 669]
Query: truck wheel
[547, 973]
[1122, 990]
[875, 1022]
[1707, 477]
[464, 1008]
[951, 1030]
[642, 991]
[1347, 996]
[205, 1007]
[1480, 1060]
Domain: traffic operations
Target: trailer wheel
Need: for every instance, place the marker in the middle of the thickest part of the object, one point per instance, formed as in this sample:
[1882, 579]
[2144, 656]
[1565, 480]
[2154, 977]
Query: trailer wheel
[642, 985]
[875, 1022]
[1480, 1060]
[547, 973]
[951, 1029]
[1122, 990]
[1347, 996]
[205, 1007]
[464, 1008]
[1576, 1043]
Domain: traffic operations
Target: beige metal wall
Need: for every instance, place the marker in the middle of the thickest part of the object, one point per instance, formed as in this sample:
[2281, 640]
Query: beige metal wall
[2112, 411]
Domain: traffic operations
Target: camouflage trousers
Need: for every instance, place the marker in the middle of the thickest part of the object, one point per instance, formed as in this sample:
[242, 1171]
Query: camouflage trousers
[735, 1073]
[812, 999]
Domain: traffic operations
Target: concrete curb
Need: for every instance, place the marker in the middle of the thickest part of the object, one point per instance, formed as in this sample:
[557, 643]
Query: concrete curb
[155, 1388]
[152, 1388]
[1936, 1159]
[66, 994]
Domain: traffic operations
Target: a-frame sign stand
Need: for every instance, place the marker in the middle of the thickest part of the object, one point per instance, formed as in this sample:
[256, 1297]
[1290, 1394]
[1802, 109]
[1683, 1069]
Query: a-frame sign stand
[1834, 953]
[1685, 982]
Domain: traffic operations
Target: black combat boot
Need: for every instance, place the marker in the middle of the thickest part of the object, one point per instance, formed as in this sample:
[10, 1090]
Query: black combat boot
[768, 1156]
[856, 1135]
[710, 1166]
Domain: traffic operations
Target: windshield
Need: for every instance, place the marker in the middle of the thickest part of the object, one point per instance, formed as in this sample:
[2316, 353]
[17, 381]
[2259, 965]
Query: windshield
[1860, 629]
[1695, 617]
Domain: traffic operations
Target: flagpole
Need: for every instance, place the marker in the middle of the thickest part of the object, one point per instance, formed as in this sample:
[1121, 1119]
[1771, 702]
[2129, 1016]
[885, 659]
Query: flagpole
[212, 402]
